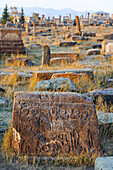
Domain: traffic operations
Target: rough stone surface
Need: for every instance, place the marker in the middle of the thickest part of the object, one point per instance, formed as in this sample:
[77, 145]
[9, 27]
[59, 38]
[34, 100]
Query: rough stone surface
[93, 52]
[46, 55]
[105, 118]
[104, 43]
[57, 84]
[89, 34]
[11, 41]
[73, 76]
[50, 124]
[104, 163]
[67, 43]
[64, 54]
[106, 94]
[47, 74]
[60, 60]
[78, 25]
[97, 46]
[109, 49]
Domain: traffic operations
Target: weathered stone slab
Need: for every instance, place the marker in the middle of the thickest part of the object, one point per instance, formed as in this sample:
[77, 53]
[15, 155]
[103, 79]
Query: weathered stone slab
[47, 74]
[67, 43]
[94, 52]
[57, 84]
[11, 41]
[89, 34]
[104, 43]
[64, 54]
[97, 46]
[104, 163]
[60, 60]
[109, 49]
[50, 124]
[105, 118]
[108, 36]
[46, 55]
[73, 76]
[106, 95]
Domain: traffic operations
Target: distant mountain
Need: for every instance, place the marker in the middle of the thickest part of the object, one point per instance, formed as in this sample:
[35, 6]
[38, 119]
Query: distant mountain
[28, 11]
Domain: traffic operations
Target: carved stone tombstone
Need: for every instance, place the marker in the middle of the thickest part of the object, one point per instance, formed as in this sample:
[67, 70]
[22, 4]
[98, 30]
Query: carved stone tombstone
[27, 28]
[50, 124]
[34, 29]
[46, 55]
[78, 25]
[11, 41]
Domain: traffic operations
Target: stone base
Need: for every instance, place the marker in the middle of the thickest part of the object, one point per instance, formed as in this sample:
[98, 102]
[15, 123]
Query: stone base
[104, 163]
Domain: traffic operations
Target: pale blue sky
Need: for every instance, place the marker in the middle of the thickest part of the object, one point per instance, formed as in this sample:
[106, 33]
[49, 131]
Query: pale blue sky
[97, 5]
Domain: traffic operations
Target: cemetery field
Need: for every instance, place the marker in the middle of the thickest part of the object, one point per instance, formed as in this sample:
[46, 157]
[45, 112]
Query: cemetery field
[79, 77]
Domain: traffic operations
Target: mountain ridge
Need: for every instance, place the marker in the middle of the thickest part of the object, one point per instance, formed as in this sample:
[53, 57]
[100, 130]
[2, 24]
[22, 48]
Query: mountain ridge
[28, 11]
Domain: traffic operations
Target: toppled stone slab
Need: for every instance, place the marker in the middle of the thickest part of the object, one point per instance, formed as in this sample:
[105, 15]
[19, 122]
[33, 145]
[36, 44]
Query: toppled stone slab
[108, 36]
[47, 74]
[57, 84]
[106, 95]
[50, 124]
[73, 76]
[67, 43]
[19, 62]
[94, 52]
[97, 46]
[104, 163]
[64, 54]
[60, 60]
[104, 118]
[89, 34]
[77, 37]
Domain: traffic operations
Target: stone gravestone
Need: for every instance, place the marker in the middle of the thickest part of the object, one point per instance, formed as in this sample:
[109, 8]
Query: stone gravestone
[50, 124]
[78, 25]
[46, 55]
[109, 48]
[11, 41]
[34, 29]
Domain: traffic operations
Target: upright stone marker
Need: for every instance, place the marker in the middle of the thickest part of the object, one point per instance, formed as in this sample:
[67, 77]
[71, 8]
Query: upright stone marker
[50, 124]
[27, 28]
[78, 25]
[34, 29]
[46, 55]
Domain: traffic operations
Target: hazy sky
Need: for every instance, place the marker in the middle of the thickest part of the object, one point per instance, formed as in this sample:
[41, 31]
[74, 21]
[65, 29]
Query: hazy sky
[97, 5]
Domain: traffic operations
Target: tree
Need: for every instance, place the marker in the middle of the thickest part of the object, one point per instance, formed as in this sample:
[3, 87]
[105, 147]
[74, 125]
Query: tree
[5, 16]
[36, 15]
[14, 12]
[22, 19]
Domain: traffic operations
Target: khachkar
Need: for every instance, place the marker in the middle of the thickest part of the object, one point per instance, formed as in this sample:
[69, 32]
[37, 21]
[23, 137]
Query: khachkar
[49, 124]
[11, 41]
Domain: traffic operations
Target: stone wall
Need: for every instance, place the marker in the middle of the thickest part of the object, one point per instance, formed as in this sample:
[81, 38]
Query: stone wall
[52, 124]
